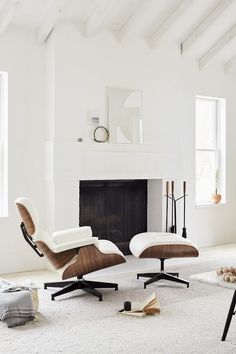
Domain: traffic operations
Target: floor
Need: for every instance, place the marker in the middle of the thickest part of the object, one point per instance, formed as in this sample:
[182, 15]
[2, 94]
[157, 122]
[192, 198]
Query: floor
[133, 265]
[194, 317]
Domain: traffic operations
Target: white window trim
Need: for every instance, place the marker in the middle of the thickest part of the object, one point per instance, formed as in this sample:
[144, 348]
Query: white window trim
[4, 144]
[220, 135]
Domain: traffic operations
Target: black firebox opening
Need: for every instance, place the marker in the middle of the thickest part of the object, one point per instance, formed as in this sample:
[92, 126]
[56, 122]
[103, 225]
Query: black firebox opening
[116, 210]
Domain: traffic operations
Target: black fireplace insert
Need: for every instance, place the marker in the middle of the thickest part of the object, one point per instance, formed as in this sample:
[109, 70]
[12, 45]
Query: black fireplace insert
[116, 210]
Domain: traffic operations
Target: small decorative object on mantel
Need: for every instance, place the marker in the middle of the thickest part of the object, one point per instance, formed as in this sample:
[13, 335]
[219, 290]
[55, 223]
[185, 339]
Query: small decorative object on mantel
[101, 134]
[228, 274]
[216, 198]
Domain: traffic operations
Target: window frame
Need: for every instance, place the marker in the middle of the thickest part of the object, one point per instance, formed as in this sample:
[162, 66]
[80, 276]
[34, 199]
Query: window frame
[219, 146]
[3, 144]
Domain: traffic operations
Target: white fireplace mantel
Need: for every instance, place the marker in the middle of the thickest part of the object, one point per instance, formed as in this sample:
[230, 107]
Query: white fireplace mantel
[74, 160]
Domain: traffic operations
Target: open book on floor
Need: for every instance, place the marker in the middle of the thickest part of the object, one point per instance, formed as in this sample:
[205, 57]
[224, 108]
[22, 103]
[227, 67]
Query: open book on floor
[148, 306]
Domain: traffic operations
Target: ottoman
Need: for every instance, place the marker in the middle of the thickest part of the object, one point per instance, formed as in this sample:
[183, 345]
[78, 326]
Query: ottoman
[162, 246]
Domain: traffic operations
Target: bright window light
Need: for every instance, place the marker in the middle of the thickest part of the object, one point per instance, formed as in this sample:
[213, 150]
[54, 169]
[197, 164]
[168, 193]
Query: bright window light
[210, 148]
[3, 144]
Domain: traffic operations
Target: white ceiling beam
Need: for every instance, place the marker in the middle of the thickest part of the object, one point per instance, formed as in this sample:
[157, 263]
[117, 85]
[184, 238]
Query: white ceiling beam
[202, 27]
[127, 28]
[97, 17]
[170, 19]
[217, 47]
[53, 16]
[7, 14]
[230, 66]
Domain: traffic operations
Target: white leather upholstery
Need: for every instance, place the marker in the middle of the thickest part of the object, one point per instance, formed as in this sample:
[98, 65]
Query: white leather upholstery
[76, 244]
[69, 235]
[140, 242]
[29, 205]
[107, 247]
[63, 246]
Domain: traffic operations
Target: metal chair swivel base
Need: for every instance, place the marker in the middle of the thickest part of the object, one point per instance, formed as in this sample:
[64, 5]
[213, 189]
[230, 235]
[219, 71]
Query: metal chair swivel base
[86, 285]
[162, 275]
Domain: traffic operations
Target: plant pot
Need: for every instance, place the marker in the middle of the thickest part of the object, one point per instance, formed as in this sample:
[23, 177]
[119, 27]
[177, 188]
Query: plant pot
[216, 198]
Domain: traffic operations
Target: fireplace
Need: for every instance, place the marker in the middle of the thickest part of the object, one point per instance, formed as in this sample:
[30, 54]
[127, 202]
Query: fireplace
[115, 209]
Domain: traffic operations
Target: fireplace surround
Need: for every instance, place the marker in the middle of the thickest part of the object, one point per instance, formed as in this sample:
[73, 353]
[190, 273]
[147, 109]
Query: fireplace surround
[67, 163]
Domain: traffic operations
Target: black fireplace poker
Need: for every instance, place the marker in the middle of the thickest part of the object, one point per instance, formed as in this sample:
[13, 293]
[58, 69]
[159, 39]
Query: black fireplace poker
[173, 228]
[184, 232]
[167, 201]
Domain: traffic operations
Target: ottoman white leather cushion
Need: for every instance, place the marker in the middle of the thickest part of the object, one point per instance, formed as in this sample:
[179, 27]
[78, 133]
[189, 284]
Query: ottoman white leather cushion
[143, 241]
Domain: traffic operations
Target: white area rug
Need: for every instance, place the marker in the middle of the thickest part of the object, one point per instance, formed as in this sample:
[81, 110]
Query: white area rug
[191, 321]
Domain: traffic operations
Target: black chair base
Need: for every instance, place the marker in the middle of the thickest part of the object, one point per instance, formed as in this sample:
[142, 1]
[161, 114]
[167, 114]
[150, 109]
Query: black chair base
[159, 276]
[162, 275]
[86, 285]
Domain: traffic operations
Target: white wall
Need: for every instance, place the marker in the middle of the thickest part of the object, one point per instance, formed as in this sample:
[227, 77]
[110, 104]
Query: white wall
[24, 61]
[84, 67]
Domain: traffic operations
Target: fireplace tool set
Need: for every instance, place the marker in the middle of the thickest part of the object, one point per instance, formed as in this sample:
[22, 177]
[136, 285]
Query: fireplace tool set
[174, 200]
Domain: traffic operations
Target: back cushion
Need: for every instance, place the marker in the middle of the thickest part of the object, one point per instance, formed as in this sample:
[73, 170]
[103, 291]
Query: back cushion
[26, 218]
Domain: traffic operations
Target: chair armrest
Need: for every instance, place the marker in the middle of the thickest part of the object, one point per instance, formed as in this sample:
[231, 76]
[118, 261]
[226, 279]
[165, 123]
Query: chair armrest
[108, 247]
[64, 246]
[72, 235]
[75, 244]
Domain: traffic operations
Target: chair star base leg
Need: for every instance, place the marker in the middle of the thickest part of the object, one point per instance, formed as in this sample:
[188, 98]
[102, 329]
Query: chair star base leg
[174, 277]
[86, 285]
[165, 276]
[58, 284]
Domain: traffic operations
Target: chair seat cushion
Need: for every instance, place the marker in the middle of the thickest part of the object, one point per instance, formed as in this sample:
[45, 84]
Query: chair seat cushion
[161, 245]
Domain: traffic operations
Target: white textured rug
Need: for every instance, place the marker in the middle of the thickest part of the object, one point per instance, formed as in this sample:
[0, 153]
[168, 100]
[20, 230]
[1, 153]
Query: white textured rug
[191, 321]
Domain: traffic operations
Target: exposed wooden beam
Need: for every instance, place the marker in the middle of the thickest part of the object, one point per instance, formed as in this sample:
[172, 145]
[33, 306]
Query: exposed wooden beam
[230, 66]
[97, 17]
[131, 22]
[53, 16]
[202, 27]
[170, 19]
[217, 47]
[7, 14]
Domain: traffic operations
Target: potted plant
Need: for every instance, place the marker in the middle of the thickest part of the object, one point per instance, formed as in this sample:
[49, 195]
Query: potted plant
[215, 197]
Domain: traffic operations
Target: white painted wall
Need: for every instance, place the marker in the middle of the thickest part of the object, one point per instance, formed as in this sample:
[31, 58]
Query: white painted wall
[24, 61]
[85, 67]
[58, 84]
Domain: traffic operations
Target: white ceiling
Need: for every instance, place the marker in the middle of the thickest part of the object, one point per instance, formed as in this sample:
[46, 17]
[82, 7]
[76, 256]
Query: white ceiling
[155, 20]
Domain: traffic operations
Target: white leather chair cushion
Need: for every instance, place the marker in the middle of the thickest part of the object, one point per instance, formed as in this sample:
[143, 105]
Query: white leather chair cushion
[63, 246]
[140, 242]
[69, 235]
[75, 244]
[107, 247]
[30, 207]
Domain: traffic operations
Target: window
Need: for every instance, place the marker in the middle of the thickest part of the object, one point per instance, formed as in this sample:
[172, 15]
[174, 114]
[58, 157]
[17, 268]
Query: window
[210, 148]
[3, 144]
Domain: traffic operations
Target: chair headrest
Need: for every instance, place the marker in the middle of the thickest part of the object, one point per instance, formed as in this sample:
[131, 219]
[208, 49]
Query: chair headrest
[28, 213]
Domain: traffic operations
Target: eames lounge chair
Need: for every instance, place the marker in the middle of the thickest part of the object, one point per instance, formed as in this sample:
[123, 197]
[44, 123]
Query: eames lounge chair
[73, 252]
